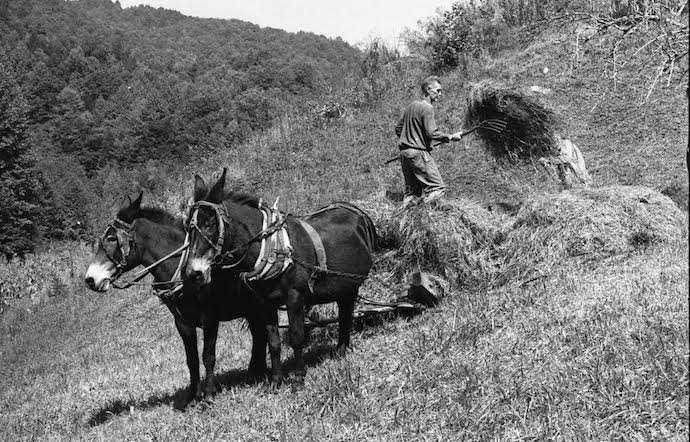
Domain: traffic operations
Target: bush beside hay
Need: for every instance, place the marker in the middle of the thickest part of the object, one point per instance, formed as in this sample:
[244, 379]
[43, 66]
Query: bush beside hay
[530, 130]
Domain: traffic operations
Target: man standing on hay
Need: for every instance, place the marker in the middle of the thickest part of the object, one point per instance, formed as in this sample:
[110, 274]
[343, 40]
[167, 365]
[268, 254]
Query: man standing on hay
[417, 136]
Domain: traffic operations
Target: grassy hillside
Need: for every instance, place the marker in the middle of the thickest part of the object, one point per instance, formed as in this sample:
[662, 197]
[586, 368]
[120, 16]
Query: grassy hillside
[592, 350]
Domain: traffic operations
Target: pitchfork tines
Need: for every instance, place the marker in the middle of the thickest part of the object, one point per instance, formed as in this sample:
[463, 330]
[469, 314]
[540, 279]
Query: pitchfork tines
[492, 125]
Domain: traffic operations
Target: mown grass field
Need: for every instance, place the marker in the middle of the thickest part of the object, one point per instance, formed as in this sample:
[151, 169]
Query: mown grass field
[593, 350]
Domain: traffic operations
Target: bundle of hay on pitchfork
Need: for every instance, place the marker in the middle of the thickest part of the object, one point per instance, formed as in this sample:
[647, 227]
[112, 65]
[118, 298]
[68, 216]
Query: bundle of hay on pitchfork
[529, 132]
[527, 135]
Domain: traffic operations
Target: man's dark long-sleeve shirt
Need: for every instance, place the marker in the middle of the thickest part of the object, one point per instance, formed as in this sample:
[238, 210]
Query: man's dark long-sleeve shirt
[417, 128]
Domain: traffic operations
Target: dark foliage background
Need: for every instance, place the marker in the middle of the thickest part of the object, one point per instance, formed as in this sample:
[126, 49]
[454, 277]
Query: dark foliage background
[87, 86]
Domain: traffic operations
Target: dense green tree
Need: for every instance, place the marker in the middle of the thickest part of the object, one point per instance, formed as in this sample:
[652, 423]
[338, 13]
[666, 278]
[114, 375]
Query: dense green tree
[20, 202]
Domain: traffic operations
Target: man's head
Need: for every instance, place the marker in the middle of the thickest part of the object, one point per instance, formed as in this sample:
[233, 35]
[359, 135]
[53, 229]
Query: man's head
[431, 88]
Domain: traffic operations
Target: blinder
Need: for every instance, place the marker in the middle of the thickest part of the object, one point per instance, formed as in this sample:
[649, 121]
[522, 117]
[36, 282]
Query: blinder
[218, 211]
[123, 234]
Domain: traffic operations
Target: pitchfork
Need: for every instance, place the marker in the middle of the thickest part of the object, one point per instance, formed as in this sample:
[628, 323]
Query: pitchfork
[492, 125]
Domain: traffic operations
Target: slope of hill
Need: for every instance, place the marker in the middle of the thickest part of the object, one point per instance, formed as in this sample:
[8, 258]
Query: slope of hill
[591, 350]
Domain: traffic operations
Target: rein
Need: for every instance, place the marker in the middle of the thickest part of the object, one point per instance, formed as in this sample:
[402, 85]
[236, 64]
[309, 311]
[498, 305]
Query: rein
[145, 271]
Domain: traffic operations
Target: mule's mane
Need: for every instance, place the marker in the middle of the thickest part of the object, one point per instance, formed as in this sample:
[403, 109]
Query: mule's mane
[154, 214]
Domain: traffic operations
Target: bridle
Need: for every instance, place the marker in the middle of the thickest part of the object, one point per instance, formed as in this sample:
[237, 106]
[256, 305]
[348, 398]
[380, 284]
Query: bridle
[220, 258]
[220, 215]
[125, 243]
[123, 234]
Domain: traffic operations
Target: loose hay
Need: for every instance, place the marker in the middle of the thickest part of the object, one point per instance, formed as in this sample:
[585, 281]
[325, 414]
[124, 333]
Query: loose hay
[452, 240]
[468, 246]
[589, 224]
[530, 130]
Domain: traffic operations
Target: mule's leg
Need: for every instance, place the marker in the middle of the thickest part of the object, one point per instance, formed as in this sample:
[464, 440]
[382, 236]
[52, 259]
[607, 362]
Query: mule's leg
[346, 308]
[295, 311]
[273, 335]
[209, 356]
[257, 364]
[188, 335]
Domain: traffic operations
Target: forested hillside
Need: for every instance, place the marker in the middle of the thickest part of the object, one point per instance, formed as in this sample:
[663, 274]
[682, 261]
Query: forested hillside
[96, 85]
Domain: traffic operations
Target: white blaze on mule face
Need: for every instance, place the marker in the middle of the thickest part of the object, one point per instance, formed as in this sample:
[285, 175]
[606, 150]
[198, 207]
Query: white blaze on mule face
[101, 274]
[201, 265]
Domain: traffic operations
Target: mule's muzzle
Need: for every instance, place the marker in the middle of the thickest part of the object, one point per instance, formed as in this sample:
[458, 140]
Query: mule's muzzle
[99, 275]
[100, 286]
[197, 273]
[90, 283]
[195, 276]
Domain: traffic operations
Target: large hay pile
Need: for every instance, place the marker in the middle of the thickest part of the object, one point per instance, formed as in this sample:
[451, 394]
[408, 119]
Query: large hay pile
[530, 130]
[468, 246]
[589, 224]
[453, 240]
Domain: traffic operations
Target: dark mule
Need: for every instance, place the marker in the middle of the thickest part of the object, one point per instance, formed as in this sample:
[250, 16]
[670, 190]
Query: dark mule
[348, 236]
[142, 236]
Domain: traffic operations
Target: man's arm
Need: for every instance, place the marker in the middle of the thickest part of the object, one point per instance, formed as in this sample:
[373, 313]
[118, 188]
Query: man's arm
[432, 131]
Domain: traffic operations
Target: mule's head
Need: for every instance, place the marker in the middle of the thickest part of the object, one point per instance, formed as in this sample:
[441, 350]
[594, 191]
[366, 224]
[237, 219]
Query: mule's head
[115, 252]
[206, 229]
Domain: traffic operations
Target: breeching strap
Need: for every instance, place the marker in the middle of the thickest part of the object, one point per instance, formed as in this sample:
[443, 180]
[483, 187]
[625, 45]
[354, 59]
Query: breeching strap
[321, 266]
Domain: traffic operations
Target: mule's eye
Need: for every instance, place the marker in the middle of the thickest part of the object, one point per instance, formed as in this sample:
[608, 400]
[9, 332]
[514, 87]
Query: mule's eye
[111, 238]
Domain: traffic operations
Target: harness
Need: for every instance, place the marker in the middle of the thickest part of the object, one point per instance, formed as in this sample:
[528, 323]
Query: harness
[123, 233]
[322, 265]
[275, 254]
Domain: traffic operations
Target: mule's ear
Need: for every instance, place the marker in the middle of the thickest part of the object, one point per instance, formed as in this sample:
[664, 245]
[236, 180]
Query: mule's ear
[136, 204]
[218, 190]
[200, 188]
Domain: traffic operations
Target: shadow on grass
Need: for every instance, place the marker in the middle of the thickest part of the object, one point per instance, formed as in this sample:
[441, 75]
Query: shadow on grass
[322, 345]
[118, 407]
[228, 379]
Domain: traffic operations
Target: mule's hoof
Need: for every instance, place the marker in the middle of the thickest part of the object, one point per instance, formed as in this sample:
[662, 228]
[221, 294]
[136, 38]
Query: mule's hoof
[275, 381]
[297, 379]
[340, 351]
[256, 373]
[188, 396]
[211, 389]
[180, 404]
